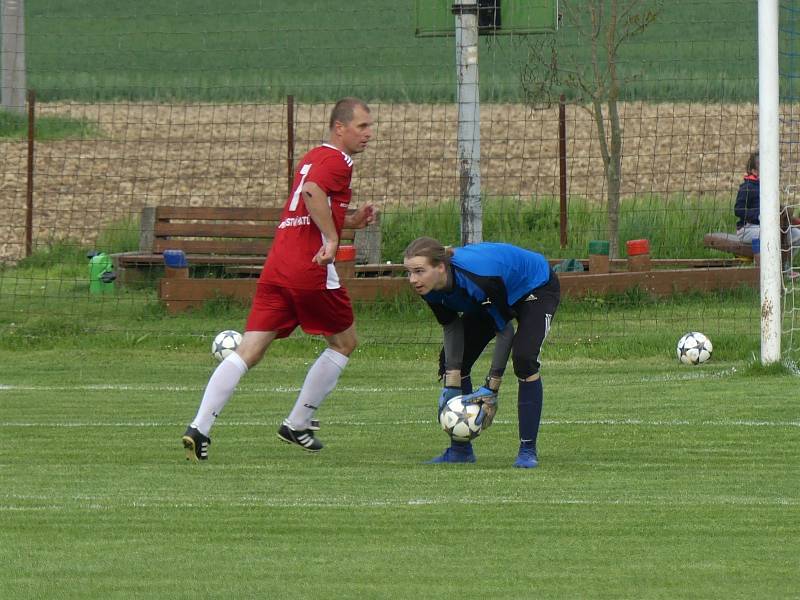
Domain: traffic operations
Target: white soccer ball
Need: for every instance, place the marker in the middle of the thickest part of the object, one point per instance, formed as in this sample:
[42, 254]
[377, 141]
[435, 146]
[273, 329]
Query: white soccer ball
[226, 342]
[458, 420]
[694, 348]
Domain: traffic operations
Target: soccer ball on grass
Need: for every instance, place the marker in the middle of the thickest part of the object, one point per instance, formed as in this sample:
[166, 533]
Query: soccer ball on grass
[226, 342]
[458, 420]
[694, 348]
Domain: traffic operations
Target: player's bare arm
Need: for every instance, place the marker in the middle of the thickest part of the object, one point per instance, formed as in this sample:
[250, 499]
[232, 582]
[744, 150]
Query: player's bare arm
[316, 201]
[362, 217]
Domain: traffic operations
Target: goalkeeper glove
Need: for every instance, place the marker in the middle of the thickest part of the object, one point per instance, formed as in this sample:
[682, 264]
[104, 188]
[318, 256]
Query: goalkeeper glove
[452, 388]
[486, 397]
[448, 393]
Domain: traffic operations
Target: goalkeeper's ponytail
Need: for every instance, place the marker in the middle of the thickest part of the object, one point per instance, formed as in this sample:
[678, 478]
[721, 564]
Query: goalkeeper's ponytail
[429, 248]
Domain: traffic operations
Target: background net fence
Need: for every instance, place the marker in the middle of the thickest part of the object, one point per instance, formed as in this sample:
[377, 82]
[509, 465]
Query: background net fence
[195, 104]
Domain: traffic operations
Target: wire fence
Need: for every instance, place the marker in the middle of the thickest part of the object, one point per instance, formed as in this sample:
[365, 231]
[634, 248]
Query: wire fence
[194, 104]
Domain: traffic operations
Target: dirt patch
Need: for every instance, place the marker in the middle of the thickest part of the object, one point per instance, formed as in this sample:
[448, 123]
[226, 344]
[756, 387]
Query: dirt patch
[236, 155]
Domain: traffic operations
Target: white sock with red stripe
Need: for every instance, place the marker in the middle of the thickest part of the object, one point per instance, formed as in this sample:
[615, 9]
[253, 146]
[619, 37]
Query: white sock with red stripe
[320, 381]
[218, 391]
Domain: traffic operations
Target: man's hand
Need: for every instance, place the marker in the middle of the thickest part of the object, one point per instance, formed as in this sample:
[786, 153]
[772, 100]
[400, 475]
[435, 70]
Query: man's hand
[487, 399]
[448, 393]
[363, 216]
[326, 253]
[316, 201]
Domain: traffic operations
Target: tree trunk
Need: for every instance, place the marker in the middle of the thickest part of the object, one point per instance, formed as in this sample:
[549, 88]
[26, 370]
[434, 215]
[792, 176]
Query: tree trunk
[613, 178]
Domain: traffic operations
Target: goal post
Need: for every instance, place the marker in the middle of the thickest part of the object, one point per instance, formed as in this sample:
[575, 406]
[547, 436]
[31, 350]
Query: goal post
[769, 173]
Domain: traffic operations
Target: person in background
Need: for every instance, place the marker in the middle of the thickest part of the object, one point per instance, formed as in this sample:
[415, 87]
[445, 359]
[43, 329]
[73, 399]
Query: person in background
[476, 292]
[748, 209]
[299, 284]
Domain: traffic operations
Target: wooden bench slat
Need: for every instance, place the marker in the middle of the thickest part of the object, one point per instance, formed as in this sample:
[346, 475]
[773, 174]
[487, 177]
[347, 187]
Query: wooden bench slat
[127, 260]
[219, 213]
[225, 230]
[221, 230]
[217, 247]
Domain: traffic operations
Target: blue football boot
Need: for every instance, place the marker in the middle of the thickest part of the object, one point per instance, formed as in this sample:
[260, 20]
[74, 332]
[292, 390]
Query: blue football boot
[456, 453]
[527, 458]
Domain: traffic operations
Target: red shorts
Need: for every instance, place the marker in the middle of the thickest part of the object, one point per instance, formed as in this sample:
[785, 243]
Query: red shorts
[318, 312]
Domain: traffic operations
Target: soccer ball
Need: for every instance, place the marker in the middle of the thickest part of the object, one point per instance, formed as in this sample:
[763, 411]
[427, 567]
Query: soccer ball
[694, 348]
[458, 420]
[226, 342]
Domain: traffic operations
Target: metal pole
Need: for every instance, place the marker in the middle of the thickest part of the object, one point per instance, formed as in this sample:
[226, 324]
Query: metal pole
[29, 188]
[562, 169]
[469, 136]
[13, 61]
[290, 140]
[769, 173]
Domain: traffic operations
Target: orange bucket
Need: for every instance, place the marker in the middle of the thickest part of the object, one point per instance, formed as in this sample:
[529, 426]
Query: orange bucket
[345, 253]
[637, 247]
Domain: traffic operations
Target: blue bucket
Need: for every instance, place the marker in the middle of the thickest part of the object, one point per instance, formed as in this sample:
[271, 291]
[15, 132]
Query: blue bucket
[175, 259]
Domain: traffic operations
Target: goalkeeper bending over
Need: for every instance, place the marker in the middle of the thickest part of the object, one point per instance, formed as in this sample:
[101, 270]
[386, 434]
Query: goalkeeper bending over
[475, 292]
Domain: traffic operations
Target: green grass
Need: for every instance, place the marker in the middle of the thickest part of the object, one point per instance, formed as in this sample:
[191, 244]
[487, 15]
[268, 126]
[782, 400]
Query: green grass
[675, 226]
[247, 50]
[121, 235]
[15, 126]
[46, 308]
[656, 481]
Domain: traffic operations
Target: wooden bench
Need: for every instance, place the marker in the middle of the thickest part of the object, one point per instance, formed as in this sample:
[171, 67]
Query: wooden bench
[225, 247]
[228, 240]
[728, 242]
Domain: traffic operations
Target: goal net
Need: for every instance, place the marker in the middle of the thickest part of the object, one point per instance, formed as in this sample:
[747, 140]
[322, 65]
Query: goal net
[789, 136]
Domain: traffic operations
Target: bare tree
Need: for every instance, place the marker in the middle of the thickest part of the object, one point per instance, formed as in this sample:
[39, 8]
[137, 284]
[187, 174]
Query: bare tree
[586, 66]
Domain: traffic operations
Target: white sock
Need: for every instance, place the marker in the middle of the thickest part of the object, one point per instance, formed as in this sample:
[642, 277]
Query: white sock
[320, 381]
[219, 390]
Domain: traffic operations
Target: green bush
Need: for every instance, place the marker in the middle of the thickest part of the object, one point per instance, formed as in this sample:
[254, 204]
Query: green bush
[15, 126]
[675, 226]
[119, 236]
[57, 253]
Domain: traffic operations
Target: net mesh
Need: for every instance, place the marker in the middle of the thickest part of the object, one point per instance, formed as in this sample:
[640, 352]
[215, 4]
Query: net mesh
[189, 105]
[789, 49]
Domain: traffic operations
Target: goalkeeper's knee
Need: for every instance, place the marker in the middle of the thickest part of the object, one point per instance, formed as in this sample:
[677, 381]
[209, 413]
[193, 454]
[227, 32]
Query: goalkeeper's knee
[526, 368]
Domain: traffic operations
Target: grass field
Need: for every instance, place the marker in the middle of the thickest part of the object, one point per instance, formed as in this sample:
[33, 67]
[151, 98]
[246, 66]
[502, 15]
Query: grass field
[247, 49]
[656, 481]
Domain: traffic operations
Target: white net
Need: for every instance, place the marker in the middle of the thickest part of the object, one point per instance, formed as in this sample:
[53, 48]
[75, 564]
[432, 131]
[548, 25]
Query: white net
[789, 46]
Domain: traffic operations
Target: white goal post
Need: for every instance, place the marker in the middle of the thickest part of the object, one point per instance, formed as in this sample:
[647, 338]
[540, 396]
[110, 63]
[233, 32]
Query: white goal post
[769, 174]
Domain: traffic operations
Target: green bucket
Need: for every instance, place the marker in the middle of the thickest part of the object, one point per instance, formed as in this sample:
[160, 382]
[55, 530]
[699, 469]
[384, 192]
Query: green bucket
[598, 247]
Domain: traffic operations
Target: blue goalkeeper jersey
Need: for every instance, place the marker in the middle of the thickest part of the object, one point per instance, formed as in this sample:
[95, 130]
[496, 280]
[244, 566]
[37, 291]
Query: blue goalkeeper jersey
[491, 277]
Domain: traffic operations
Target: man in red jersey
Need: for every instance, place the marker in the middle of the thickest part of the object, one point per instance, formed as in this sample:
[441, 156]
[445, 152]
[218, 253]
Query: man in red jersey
[299, 284]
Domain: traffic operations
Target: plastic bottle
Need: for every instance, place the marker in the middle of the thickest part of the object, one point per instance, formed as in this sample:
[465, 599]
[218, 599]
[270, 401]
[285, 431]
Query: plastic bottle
[101, 273]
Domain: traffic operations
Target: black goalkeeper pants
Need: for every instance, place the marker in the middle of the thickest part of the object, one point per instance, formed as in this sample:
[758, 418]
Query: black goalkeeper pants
[534, 314]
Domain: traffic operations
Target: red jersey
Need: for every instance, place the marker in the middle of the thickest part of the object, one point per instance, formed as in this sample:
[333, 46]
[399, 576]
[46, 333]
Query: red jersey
[298, 239]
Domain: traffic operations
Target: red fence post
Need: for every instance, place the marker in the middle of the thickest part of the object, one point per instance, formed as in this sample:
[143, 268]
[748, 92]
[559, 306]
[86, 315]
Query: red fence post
[290, 140]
